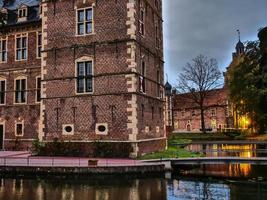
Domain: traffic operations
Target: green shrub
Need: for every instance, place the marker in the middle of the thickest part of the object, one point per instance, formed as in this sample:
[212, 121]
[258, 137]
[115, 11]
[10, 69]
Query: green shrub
[72, 149]
[233, 133]
[110, 150]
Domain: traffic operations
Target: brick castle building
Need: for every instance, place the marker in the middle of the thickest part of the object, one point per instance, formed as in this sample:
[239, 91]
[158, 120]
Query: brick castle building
[184, 114]
[80, 71]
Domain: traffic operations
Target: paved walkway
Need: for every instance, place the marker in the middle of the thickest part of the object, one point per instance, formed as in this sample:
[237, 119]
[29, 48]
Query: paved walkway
[23, 158]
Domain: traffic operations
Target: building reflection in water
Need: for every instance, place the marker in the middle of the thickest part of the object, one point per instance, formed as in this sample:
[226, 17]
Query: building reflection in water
[219, 170]
[222, 150]
[186, 189]
[122, 189]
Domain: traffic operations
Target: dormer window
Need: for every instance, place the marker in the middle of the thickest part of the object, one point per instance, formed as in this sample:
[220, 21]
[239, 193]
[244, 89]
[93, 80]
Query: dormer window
[22, 13]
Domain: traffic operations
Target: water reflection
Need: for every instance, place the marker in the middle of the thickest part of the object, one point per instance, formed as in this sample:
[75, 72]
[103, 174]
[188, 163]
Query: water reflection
[136, 189]
[222, 150]
[121, 188]
[187, 189]
[192, 189]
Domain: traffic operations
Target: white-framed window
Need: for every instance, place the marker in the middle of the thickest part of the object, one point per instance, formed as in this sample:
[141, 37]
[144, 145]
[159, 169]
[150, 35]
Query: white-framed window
[142, 21]
[19, 129]
[21, 47]
[3, 50]
[213, 112]
[39, 44]
[84, 73]
[2, 91]
[84, 21]
[20, 90]
[142, 77]
[38, 89]
[22, 12]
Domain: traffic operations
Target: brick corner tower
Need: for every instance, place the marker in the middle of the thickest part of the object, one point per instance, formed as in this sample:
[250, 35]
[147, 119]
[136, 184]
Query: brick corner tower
[102, 72]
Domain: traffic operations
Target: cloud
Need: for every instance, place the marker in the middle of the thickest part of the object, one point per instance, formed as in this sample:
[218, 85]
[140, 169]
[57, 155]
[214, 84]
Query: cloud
[193, 27]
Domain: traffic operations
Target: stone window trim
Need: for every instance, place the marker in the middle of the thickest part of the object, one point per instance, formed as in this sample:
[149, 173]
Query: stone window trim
[19, 128]
[38, 89]
[142, 78]
[3, 50]
[20, 90]
[3, 123]
[213, 112]
[22, 12]
[142, 16]
[81, 60]
[3, 91]
[84, 21]
[21, 48]
[39, 44]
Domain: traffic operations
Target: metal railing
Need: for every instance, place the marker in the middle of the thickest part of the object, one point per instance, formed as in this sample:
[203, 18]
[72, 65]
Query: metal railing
[66, 162]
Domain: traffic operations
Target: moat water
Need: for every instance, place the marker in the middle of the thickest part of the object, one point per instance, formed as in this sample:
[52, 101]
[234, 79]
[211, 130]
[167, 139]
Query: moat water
[141, 188]
[197, 182]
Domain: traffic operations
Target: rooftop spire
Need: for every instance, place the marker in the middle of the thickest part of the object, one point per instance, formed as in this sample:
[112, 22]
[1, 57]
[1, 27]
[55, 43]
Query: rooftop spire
[238, 32]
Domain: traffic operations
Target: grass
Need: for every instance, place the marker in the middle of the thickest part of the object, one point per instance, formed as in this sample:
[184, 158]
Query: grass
[172, 151]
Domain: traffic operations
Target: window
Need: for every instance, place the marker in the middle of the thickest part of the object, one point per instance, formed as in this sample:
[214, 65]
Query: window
[38, 89]
[142, 22]
[152, 112]
[193, 113]
[20, 90]
[39, 44]
[19, 129]
[142, 77]
[22, 13]
[2, 91]
[227, 114]
[160, 113]
[143, 110]
[158, 84]
[157, 4]
[84, 77]
[213, 124]
[3, 50]
[213, 112]
[84, 21]
[157, 34]
[21, 48]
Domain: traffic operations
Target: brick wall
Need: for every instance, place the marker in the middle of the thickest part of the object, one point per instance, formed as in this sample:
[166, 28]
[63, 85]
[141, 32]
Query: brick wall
[28, 113]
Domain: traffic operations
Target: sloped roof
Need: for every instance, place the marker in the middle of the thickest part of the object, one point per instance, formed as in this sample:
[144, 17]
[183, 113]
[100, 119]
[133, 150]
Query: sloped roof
[15, 4]
[216, 97]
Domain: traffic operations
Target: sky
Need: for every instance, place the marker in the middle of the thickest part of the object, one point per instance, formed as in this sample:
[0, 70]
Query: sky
[208, 27]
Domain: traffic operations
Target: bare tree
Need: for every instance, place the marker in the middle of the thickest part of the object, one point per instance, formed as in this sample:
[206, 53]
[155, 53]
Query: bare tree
[197, 79]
